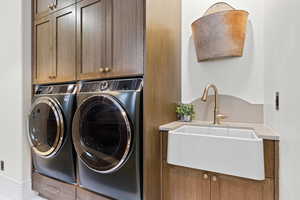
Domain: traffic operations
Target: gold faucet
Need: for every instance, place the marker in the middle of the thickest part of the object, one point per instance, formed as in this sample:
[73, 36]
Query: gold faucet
[217, 115]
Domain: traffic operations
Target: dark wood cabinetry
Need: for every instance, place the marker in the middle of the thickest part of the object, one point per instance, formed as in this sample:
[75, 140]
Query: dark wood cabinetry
[94, 39]
[54, 47]
[181, 183]
[232, 188]
[109, 38]
[64, 46]
[43, 53]
[128, 38]
[109, 42]
[43, 8]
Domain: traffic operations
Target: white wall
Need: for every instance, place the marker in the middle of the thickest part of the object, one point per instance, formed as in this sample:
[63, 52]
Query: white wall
[13, 63]
[241, 77]
[11, 88]
[282, 45]
[27, 90]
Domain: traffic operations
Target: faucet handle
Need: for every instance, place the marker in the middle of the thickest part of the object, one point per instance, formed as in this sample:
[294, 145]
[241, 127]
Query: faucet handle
[220, 117]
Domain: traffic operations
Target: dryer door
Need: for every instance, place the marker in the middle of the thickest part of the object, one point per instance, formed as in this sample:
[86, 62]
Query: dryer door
[46, 127]
[102, 133]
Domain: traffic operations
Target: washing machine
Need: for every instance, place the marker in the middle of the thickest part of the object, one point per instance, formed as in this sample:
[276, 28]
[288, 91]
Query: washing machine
[107, 135]
[49, 134]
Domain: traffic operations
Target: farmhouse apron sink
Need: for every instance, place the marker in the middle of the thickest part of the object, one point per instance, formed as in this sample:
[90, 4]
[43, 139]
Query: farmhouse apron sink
[231, 151]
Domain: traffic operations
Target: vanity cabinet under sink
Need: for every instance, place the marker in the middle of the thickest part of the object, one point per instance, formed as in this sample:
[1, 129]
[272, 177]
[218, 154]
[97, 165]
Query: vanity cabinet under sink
[185, 183]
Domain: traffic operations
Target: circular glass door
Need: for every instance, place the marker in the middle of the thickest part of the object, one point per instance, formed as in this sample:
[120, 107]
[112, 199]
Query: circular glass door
[46, 127]
[102, 133]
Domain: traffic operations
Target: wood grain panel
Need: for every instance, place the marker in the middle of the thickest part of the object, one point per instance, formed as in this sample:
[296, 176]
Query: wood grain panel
[64, 58]
[181, 183]
[276, 181]
[83, 194]
[128, 38]
[162, 84]
[53, 189]
[42, 50]
[121, 22]
[269, 156]
[93, 37]
[232, 188]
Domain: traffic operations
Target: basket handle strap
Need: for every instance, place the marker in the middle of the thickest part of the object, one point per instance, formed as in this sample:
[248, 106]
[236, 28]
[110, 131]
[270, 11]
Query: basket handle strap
[218, 7]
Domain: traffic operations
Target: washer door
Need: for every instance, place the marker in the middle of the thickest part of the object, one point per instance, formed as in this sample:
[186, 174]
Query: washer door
[102, 133]
[46, 127]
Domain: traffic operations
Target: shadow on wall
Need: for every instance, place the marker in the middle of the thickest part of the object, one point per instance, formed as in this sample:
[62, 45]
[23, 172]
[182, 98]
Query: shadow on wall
[232, 76]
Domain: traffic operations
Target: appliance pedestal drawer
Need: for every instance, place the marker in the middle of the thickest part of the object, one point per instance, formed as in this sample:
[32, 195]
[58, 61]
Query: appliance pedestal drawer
[83, 194]
[53, 189]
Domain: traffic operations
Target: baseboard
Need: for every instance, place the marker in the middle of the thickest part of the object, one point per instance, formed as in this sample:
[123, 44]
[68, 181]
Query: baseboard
[11, 189]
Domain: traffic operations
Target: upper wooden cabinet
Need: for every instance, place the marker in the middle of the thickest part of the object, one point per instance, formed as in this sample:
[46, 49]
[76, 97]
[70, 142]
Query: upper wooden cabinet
[128, 38]
[109, 38]
[43, 8]
[43, 53]
[94, 42]
[55, 47]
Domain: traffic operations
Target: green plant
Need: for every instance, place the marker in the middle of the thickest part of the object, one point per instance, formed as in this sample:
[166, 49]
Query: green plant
[185, 110]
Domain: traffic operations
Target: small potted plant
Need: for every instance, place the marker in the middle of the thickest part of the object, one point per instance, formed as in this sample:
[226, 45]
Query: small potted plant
[185, 112]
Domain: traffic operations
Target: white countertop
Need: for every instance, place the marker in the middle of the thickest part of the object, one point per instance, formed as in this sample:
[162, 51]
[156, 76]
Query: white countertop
[260, 129]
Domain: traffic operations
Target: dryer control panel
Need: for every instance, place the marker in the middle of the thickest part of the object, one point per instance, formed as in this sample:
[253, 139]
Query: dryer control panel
[112, 85]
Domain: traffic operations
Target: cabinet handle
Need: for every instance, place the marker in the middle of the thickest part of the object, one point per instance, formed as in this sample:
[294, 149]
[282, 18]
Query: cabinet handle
[107, 69]
[205, 176]
[50, 6]
[50, 77]
[101, 69]
[214, 179]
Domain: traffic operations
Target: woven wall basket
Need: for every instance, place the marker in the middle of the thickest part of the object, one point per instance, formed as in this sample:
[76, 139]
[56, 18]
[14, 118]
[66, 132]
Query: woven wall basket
[220, 32]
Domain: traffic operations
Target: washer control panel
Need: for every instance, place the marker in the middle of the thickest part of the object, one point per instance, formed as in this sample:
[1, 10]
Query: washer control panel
[54, 89]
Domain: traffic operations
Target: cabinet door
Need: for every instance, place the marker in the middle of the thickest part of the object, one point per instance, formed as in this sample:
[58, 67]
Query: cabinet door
[43, 8]
[64, 59]
[94, 38]
[185, 184]
[232, 188]
[128, 38]
[43, 51]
